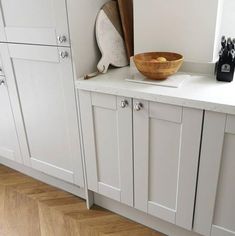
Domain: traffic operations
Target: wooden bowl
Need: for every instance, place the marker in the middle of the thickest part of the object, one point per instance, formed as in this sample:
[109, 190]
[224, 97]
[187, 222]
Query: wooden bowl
[158, 70]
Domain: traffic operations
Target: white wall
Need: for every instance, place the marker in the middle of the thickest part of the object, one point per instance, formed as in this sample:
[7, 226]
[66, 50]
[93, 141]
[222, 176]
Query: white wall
[189, 27]
[228, 19]
[82, 17]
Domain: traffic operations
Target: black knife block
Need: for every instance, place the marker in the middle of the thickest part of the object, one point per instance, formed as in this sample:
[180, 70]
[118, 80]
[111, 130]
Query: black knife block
[225, 69]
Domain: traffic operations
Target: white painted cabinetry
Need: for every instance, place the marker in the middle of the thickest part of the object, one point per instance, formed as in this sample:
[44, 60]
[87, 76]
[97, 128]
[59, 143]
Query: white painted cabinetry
[34, 22]
[44, 79]
[107, 134]
[215, 202]
[165, 142]
[166, 153]
[9, 145]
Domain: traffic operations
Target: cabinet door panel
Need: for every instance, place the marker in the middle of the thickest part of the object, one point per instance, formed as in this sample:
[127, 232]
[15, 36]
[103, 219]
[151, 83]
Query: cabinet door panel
[8, 74]
[34, 21]
[107, 133]
[215, 204]
[9, 145]
[224, 214]
[166, 160]
[47, 97]
[163, 161]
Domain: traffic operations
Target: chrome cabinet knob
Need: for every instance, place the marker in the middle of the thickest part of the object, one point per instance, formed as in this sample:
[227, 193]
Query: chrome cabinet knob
[138, 106]
[124, 104]
[2, 81]
[64, 54]
[62, 39]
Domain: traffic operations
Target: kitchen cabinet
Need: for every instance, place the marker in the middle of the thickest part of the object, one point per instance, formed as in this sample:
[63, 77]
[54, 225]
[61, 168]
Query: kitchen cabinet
[107, 136]
[164, 142]
[166, 148]
[9, 145]
[44, 79]
[215, 202]
[34, 22]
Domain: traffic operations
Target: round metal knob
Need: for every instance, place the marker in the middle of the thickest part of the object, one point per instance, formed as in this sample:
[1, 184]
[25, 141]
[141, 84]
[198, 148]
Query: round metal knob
[62, 39]
[2, 81]
[64, 54]
[138, 106]
[124, 104]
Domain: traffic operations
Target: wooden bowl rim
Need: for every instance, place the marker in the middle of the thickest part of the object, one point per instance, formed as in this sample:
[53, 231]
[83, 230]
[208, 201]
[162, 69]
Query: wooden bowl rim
[181, 57]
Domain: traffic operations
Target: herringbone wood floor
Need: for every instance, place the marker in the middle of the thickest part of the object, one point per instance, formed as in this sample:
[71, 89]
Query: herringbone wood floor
[31, 208]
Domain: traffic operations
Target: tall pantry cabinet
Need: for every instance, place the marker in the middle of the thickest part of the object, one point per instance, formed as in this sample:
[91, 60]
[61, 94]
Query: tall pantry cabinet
[36, 54]
[9, 145]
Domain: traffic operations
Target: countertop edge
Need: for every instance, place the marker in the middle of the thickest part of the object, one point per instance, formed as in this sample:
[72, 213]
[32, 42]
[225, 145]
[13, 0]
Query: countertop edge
[95, 86]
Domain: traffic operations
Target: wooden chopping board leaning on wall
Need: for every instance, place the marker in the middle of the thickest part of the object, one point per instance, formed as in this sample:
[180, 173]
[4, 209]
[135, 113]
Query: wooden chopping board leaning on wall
[110, 38]
[126, 13]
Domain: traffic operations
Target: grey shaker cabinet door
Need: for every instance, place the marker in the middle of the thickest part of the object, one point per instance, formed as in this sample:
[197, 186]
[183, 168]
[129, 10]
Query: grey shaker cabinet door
[215, 202]
[34, 22]
[47, 98]
[166, 153]
[107, 135]
[9, 145]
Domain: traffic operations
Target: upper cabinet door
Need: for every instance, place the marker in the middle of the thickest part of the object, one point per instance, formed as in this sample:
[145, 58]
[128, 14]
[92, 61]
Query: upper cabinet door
[45, 85]
[166, 153]
[107, 134]
[215, 202]
[9, 145]
[34, 22]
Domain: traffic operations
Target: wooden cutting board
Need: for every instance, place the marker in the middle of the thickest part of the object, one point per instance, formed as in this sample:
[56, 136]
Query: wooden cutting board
[126, 13]
[110, 38]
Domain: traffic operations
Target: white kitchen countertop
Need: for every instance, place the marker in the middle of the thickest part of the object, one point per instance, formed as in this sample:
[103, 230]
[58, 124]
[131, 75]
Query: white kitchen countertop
[199, 91]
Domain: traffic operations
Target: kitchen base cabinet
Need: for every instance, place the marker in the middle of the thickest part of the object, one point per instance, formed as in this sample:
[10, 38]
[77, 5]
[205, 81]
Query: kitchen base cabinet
[9, 145]
[107, 135]
[215, 202]
[166, 153]
[44, 78]
[165, 144]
